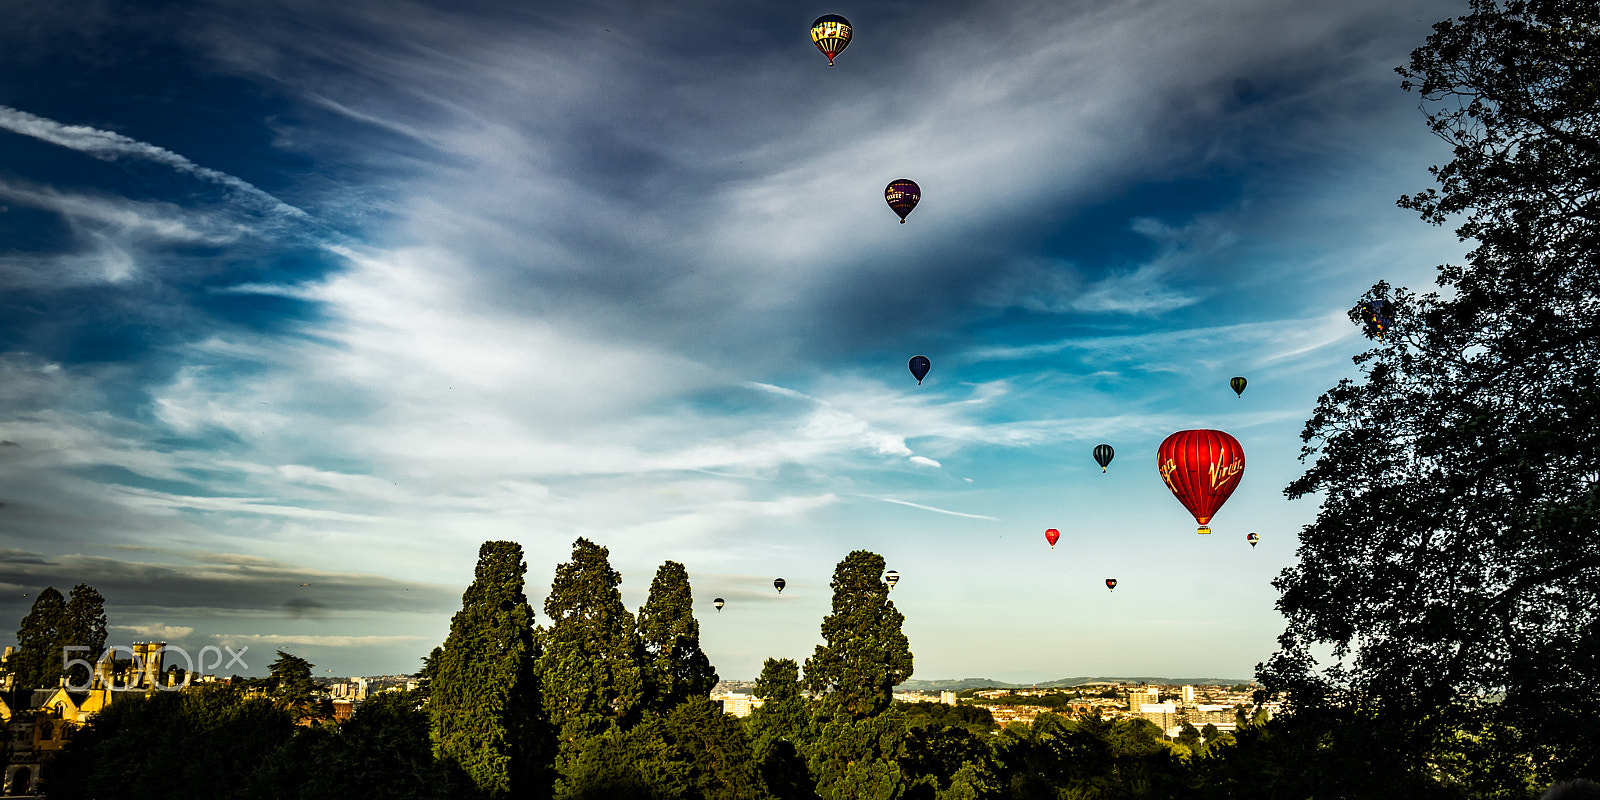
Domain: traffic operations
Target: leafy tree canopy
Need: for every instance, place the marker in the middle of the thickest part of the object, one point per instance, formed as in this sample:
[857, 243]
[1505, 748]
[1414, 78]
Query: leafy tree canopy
[865, 654]
[677, 668]
[1453, 562]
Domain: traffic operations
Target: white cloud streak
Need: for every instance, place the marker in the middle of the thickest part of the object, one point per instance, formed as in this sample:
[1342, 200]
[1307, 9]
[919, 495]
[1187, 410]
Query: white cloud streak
[110, 146]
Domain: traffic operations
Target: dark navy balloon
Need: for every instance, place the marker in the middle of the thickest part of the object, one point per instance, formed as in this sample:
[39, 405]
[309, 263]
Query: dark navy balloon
[1238, 385]
[919, 368]
[780, 583]
[718, 603]
[1103, 455]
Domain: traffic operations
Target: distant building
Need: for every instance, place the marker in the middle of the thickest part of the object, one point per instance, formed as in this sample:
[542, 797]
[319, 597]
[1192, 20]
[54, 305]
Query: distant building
[739, 705]
[1188, 695]
[1142, 695]
[948, 698]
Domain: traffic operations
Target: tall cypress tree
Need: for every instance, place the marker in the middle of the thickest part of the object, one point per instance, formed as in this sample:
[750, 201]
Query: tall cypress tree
[484, 704]
[676, 667]
[83, 623]
[37, 660]
[865, 653]
[590, 668]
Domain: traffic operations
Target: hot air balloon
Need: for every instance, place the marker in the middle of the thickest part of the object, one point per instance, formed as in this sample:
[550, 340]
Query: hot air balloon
[919, 368]
[1238, 385]
[1376, 318]
[902, 195]
[1103, 455]
[1201, 467]
[891, 577]
[1052, 536]
[779, 584]
[831, 34]
[1111, 583]
[718, 603]
[1252, 538]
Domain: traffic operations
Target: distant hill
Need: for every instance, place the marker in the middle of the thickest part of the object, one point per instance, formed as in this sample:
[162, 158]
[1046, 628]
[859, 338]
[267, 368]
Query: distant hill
[961, 684]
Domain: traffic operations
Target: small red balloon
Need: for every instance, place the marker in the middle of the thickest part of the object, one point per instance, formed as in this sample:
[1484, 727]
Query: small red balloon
[1202, 468]
[1052, 536]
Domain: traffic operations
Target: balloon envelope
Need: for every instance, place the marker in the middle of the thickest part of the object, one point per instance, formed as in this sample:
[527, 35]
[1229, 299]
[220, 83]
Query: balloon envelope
[779, 584]
[1103, 455]
[831, 34]
[902, 196]
[1252, 539]
[718, 603]
[919, 368]
[1111, 583]
[1238, 385]
[1376, 318]
[1201, 467]
[892, 578]
[1052, 536]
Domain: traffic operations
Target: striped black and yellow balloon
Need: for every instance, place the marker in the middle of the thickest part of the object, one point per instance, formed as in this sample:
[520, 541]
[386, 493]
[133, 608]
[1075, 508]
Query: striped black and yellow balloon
[831, 34]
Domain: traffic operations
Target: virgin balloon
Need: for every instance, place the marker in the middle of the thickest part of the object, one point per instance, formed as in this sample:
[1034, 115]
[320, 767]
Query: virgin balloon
[1202, 468]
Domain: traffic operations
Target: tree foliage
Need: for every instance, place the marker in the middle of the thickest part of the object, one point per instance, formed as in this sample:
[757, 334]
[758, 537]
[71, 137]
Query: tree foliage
[676, 668]
[865, 653]
[1453, 563]
[591, 670]
[484, 708]
[37, 660]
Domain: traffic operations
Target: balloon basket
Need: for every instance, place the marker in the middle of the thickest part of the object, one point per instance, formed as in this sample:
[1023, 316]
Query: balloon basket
[1203, 529]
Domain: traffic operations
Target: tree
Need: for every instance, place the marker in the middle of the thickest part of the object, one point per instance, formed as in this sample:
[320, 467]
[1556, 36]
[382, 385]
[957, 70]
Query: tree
[292, 685]
[1453, 562]
[865, 654]
[83, 623]
[37, 661]
[484, 708]
[590, 668]
[778, 731]
[676, 668]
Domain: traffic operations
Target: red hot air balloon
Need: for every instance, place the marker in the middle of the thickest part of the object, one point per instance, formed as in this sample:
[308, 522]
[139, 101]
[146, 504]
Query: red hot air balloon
[1052, 536]
[1202, 468]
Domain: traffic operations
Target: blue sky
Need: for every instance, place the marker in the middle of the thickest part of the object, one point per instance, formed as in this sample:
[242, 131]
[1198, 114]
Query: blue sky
[295, 292]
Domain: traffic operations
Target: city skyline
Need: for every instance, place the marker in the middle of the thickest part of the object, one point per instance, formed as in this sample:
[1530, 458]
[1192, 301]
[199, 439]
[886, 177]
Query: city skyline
[329, 296]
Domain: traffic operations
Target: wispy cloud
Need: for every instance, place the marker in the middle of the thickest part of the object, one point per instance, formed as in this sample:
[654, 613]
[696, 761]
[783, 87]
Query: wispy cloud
[937, 510]
[110, 146]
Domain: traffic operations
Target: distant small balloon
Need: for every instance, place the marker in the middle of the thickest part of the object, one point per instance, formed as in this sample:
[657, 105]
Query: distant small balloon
[1111, 583]
[919, 368]
[891, 577]
[831, 34]
[1052, 536]
[779, 584]
[718, 603]
[1252, 539]
[1103, 455]
[1238, 385]
[902, 196]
